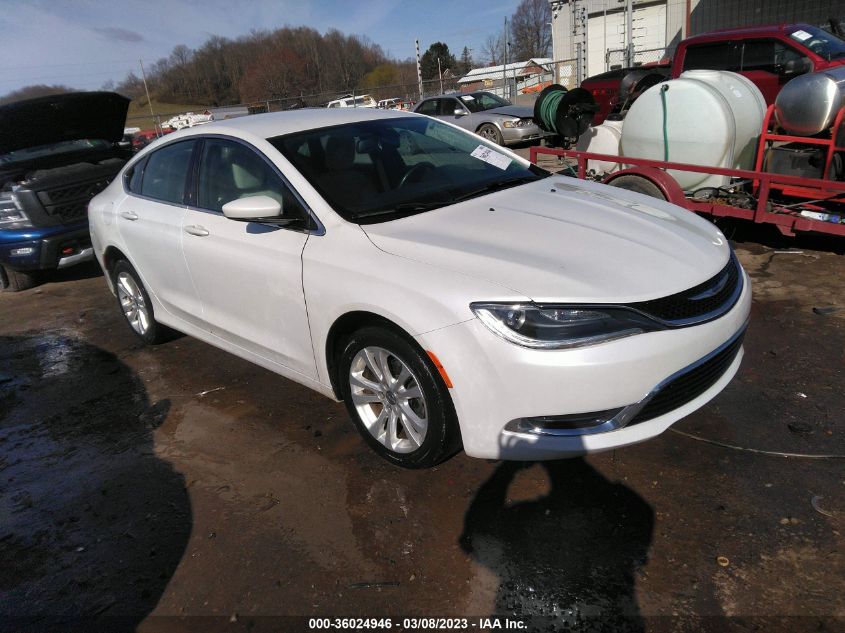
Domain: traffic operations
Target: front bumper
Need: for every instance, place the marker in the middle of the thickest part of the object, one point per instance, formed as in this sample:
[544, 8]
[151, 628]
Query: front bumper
[46, 248]
[497, 383]
[515, 135]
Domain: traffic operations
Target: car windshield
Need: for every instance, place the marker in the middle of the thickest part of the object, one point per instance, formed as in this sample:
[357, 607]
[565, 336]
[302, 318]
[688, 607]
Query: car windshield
[373, 171]
[481, 101]
[821, 42]
[52, 149]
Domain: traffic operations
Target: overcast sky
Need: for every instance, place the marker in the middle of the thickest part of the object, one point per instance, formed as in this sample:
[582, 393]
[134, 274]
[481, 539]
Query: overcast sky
[84, 43]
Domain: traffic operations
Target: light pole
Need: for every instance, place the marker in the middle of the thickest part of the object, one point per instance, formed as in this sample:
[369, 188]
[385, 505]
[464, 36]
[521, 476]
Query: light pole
[440, 74]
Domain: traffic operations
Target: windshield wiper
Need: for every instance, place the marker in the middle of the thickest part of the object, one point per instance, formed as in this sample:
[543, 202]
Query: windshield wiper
[495, 186]
[403, 208]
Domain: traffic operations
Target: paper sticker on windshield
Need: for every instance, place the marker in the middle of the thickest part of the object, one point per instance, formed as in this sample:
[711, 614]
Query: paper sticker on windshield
[801, 35]
[467, 98]
[491, 156]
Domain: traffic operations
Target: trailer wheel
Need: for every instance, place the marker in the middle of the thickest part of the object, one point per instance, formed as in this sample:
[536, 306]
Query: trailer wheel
[638, 184]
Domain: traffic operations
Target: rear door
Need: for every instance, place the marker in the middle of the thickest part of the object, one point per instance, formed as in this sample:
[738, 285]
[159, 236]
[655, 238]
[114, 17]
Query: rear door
[248, 275]
[149, 220]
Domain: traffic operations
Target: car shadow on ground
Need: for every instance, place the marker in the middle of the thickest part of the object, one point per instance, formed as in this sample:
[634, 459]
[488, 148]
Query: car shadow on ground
[569, 559]
[92, 523]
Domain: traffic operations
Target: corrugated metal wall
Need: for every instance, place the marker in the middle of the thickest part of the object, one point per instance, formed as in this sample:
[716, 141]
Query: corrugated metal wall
[709, 15]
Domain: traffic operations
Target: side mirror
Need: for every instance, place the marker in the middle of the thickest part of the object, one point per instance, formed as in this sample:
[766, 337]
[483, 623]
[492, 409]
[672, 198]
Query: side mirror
[254, 209]
[795, 67]
[460, 112]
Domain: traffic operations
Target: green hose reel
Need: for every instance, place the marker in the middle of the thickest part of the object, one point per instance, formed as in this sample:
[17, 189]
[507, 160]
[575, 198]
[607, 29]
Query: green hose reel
[567, 113]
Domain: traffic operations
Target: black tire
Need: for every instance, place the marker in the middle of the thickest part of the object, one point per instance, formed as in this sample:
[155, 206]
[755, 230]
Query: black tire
[442, 437]
[155, 332]
[490, 132]
[16, 280]
[638, 184]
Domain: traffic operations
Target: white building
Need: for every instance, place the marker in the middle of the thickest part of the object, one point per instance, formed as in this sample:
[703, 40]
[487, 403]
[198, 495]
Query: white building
[597, 29]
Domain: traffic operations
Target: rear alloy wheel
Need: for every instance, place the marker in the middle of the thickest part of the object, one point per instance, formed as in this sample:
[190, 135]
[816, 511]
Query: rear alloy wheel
[491, 133]
[16, 280]
[397, 400]
[136, 305]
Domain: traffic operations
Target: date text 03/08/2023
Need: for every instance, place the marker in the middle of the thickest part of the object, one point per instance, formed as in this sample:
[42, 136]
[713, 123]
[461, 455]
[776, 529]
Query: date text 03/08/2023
[411, 624]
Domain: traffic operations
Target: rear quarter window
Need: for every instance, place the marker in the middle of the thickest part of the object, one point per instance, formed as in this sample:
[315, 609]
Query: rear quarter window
[133, 176]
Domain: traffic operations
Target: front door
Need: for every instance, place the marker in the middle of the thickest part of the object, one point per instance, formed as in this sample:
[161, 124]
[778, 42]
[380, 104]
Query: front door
[248, 275]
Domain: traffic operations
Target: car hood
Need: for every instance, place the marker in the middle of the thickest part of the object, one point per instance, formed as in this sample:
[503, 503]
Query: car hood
[62, 117]
[564, 240]
[523, 112]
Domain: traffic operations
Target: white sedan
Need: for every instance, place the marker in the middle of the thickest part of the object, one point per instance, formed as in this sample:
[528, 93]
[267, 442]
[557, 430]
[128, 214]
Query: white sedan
[451, 293]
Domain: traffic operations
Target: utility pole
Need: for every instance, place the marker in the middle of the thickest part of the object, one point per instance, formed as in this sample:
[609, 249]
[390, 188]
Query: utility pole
[149, 102]
[440, 73]
[629, 29]
[419, 70]
[505, 56]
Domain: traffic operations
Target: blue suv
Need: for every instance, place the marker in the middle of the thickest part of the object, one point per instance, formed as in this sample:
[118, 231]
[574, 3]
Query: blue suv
[56, 153]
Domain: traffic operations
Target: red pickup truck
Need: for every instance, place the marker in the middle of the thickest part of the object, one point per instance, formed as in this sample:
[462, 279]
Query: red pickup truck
[768, 55]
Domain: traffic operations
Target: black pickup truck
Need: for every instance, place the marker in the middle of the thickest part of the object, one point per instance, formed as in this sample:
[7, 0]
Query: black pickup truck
[56, 153]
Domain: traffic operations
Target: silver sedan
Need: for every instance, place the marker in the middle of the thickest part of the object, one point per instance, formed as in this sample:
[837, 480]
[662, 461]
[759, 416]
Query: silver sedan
[487, 115]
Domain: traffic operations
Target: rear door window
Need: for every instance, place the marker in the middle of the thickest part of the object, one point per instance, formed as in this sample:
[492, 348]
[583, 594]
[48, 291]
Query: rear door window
[166, 172]
[716, 56]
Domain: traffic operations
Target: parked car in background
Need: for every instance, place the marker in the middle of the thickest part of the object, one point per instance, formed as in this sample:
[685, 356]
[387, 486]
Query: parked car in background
[189, 119]
[56, 153]
[768, 55]
[145, 137]
[390, 104]
[491, 117]
[349, 101]
[445, 288]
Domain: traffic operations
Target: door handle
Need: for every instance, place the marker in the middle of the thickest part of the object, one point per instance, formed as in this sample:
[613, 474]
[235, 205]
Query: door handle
[194, 229]
[129, 215]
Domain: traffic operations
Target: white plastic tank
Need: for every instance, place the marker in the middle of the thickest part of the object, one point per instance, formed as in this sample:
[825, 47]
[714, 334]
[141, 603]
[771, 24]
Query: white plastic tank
[713, 118]
[602, 139]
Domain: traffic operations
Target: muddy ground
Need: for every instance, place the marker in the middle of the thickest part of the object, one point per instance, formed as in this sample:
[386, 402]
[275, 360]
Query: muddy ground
[142, 485]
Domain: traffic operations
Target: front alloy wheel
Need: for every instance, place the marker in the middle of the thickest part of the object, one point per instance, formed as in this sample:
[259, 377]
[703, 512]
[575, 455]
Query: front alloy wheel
[388, 399]
[397, 398]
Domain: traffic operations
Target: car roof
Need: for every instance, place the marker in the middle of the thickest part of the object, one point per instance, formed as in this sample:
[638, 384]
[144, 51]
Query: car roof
[747, 31]
[280, 123]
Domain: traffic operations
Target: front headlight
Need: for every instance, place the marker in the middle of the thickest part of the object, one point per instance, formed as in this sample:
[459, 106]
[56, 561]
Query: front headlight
[510, 124]
[562, 327]
[11, 214]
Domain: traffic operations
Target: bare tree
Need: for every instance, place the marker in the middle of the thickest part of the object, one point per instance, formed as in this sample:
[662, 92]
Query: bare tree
[531, 34]
[493, 50]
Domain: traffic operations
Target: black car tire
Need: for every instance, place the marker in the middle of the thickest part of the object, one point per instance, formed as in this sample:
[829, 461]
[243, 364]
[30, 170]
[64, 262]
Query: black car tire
[155, 332]
[442, 436]
[490, 132]
[16, 280]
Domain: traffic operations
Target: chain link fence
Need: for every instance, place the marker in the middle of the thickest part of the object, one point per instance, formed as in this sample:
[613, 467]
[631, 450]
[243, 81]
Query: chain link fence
[617, 58]
[566, 73]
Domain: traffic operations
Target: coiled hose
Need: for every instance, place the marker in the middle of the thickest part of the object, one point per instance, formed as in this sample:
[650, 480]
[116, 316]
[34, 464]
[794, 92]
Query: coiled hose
[547, 107]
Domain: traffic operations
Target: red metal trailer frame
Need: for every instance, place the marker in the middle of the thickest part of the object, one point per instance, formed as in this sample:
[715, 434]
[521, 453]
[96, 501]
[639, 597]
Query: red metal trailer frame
[800, 193]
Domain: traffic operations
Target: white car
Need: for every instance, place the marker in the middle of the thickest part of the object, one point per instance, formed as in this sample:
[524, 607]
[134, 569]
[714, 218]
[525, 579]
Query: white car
[189, 119]
[447, 290]
[361, 101]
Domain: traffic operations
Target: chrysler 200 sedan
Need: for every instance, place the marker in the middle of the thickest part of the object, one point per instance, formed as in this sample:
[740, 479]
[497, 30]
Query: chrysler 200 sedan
[448, 291]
